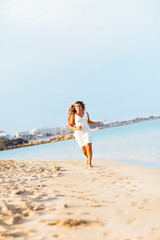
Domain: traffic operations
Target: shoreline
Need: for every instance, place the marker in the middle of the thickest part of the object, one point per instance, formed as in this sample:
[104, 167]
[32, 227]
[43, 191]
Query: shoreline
[65, 200]
[71, 135]
[39, 141]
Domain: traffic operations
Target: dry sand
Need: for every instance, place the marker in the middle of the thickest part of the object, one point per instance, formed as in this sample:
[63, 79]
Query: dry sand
[44, 200]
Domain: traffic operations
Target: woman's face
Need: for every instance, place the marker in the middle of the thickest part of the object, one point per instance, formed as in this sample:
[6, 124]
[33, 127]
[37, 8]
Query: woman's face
[78, 107]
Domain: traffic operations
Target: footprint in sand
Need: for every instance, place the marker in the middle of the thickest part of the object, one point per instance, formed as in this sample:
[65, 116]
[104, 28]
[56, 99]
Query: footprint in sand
[77, 213]
[146, 208]
[58, 235]
[132, 220]
[25, 192]
[123, 212]
[43, 197]
[146, 200]
[134, 203]
[13, 234]
[114, 182]
[130, 238]
[143, 205]
[118, 196]
[79, 191]
[87, 198]
[72, 223]
[108, 234]
[96, 206]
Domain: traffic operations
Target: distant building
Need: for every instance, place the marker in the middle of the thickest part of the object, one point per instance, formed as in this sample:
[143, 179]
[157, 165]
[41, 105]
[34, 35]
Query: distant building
[64, 130]
[56, 131]
[22, 134]
[49, 132]
[38, 132]
[4, 135]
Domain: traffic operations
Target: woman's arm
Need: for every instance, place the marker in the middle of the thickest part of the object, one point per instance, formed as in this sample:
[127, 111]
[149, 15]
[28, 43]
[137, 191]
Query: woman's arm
[91, 122]
[71, 123]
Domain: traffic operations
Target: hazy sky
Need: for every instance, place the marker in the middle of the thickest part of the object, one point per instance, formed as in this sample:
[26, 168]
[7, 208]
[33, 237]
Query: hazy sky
[54, 52]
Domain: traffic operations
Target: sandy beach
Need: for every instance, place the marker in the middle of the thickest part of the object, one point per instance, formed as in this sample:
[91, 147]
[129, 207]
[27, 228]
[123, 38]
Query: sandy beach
[44, 200]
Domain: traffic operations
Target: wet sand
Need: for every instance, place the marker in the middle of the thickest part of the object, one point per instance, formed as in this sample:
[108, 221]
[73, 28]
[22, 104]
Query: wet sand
[44, 200]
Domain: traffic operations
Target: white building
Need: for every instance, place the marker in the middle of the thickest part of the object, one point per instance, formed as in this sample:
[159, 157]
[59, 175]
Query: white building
[22, 134]
[3, 134]
[38, 132]
[46, 132]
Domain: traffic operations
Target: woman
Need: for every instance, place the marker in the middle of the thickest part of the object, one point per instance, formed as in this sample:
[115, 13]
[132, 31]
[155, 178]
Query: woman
[79, 121]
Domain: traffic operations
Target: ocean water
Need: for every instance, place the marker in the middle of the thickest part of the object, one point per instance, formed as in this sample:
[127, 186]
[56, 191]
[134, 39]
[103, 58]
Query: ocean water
[137, 143]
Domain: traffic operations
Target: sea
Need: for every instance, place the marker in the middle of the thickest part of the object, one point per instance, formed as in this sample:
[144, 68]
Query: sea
[137, 143]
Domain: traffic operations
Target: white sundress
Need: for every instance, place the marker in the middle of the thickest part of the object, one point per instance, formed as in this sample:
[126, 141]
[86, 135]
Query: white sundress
[84, 135]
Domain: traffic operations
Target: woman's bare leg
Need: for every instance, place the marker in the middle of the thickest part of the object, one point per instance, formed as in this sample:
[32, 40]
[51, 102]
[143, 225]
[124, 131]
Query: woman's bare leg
[84, 150]
[89, 154]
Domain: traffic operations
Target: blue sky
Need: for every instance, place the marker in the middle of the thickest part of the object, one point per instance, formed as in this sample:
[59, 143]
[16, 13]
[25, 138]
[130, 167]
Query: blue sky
[53, 53]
